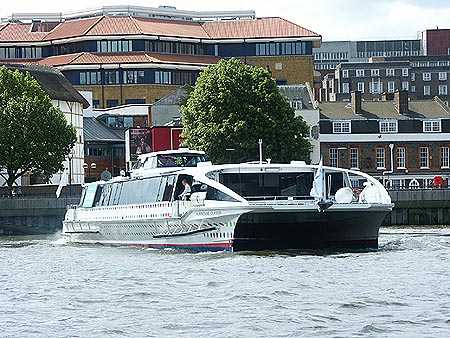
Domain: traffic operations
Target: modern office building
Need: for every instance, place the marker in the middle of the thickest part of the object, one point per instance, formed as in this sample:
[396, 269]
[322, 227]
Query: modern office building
[137, 55]
[435, 42]
[332, 53]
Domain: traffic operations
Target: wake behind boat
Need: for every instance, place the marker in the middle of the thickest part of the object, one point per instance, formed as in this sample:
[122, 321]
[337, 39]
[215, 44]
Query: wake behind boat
[175, 199]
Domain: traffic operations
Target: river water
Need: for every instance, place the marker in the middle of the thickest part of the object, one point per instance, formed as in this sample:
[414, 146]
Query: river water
[50, 289]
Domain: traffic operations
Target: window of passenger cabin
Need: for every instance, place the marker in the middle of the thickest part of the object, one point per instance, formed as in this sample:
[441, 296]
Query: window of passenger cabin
[360, 72]
[296, 104]
[401, 158]
[432, 126]
[341, 127]
[162, 77]
[381, 158]
[426, 76]
[424, 158]
[390, 72]
[445, 157]
[354, 158]
[388, 126]
[442, 76]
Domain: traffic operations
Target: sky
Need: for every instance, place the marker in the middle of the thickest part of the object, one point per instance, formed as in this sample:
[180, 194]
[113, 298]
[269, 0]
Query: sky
[333, 19]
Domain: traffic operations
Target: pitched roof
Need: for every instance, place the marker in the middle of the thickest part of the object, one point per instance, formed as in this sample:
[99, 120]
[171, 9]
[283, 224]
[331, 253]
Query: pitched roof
[256, 28]
[174, 98]
[96, 131]
[20, 32]
[125, 25]
[423, 109]
[53, 82]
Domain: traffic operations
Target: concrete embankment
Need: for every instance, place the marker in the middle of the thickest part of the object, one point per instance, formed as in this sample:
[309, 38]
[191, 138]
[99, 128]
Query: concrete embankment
[43, 213]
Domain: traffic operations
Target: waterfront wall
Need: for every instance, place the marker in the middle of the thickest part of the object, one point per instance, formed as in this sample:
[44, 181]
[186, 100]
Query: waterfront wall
[40, 212]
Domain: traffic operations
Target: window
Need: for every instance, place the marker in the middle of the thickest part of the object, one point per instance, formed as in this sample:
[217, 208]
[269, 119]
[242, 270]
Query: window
[381, 160]
[345, 73]
[391, 86]
[405, 85]
[354, 158]
[360, 72]
[375, 72]
[443, 90]
[341, 127]
[413, 76]
[114, 46]
[426, 76]
[424, 159]
[361, 87]
[390, 72]
[375, 87]
[388, 127]
[445, 159]
[112, 77]
[182, 78]
[133, 76]
[345, 88]
[112, 103]
[413, 89]
[426, 90]
[333, 157]
[401, 158]
[296, 104]
[405, 71]
[90, 78]
[442, 76]
[432, 126]
[96, 104]
[163, 77]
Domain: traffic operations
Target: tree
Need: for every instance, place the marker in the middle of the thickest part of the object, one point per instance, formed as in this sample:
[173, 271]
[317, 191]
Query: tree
[232, 106]
[34, 135]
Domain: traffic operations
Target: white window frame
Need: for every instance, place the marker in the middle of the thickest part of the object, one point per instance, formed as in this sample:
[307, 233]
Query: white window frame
[342, 127]
[413, 76]
[354, 158]
[334, 157]
[405, 85]
[405, 71]
[391, 86]
[442, 90]
[360, 73]
[426, 90]
[361, 87]
[345, 73]
[345, 88]
[442, 76]
[388, 126]
[445, 157]
[390, 71]
[380, 158]
[375, 72]
[432, 126]
[401, 158]
[426, 76]
[424, 158]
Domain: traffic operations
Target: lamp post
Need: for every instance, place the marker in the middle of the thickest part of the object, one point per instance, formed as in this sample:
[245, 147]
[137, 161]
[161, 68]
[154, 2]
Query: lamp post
[85, 166]
[93, 166]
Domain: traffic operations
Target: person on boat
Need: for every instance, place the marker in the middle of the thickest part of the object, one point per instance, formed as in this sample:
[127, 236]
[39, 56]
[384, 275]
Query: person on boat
[186, 192]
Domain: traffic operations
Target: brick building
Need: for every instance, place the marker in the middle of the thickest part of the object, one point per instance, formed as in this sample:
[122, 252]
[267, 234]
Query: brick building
[396, 140]
[137, 55]
[435, 41]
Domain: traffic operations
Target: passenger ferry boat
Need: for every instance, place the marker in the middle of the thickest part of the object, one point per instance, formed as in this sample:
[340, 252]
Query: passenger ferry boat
[232, 207]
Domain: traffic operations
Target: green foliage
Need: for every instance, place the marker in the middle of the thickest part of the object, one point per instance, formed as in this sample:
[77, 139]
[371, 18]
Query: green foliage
[34, 135]
[232, 106]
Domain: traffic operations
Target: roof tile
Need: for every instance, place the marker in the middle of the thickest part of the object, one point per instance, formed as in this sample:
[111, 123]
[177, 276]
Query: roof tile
[20, 32]
[171, 28]
[72, 28]
[109, 25]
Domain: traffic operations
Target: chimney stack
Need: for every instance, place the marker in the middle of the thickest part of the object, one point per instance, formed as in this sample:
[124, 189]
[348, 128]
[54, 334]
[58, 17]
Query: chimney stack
[356, 102]
[401, 101]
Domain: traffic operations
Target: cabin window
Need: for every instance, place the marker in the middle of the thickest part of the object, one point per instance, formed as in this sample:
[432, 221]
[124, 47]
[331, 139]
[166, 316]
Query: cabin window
[90, 195]
[269, 184]
[213, 194]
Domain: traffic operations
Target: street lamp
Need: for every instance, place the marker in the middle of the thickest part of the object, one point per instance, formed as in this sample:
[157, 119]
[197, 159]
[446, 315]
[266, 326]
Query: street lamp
[93, 167]
[70, 157]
